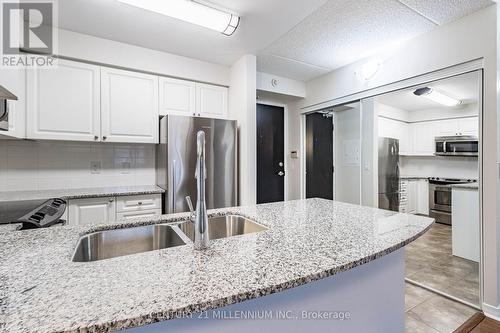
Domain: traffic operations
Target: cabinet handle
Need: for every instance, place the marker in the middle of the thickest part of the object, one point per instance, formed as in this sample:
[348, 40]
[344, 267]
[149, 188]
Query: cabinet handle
[96, 137]
[139, 203]
[104, 138]
[111, 200]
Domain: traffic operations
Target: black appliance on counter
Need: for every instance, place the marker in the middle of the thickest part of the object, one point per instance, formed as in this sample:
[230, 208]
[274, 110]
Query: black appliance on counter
[33, 214]
[440, 202]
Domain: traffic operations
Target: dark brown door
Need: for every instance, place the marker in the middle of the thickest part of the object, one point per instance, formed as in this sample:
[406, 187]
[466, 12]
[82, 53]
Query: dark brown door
[270, 153]
[319, 156]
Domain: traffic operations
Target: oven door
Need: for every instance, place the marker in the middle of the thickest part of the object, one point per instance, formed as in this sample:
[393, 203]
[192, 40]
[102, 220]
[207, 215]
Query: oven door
[440, 217]
[442, 198]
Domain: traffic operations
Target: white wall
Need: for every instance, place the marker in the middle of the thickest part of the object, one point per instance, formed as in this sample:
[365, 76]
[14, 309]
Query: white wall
[445, 167]
[468, 110]
[242, 107]
[282, 85]
[470, 38]
[347, 142]
[32, 165]
[94, 49]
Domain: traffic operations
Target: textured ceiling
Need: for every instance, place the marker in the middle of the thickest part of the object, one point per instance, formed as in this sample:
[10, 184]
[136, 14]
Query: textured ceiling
[446, 11]
[298, 39]
[463, 87]
[344, 31]
[262, 22]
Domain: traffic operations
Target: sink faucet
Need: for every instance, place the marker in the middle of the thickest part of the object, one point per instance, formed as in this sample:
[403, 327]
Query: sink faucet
[200, 218]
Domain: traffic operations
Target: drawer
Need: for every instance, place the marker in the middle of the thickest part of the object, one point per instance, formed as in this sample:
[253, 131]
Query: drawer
[138, 214]
[138, 203]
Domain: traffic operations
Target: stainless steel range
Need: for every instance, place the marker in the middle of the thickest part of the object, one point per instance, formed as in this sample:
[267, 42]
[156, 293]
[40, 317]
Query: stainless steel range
[440, 202]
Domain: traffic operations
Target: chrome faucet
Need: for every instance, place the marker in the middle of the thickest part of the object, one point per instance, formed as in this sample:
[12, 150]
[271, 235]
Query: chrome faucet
[199, 217]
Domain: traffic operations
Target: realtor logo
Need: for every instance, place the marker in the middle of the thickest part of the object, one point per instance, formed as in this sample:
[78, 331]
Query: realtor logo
[28, 33]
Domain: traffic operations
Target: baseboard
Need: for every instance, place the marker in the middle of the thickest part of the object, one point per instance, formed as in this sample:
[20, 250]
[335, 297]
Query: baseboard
[491, 311]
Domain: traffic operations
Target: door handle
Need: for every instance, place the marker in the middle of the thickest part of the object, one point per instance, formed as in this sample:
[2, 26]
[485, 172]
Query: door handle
[281, 173]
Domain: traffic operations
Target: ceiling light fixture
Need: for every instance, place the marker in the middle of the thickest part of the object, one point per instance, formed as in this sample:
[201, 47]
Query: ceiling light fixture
[437, 97]
[192, 12]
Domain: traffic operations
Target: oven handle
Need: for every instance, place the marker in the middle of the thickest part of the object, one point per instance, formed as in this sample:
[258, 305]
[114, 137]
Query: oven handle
[439, 212]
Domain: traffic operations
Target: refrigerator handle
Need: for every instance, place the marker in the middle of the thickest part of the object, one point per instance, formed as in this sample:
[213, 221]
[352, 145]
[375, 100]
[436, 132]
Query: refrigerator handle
[173, 187]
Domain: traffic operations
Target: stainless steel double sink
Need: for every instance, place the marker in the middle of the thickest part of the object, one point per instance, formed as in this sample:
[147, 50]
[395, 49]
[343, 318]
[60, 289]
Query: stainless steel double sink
[120, 242]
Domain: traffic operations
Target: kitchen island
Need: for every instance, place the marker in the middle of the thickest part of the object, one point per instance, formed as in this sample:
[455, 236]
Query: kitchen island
[320, 265]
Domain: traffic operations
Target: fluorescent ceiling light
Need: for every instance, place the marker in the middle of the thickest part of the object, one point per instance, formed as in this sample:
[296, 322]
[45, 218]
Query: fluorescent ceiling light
[192, 12]
[437, 97]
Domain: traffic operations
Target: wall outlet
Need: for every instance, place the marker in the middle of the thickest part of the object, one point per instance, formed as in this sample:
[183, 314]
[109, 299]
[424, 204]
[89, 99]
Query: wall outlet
[95, 167]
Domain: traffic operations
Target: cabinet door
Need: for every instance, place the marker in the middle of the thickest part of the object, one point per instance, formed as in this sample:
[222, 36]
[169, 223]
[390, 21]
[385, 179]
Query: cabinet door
[447, 127]
[469, 126]
[91, 211]
[129, 103]
[423, 197]
[211, 101]
[177, 97]
[412, 196]
[423, 138]
[64, 102]
[14, 80]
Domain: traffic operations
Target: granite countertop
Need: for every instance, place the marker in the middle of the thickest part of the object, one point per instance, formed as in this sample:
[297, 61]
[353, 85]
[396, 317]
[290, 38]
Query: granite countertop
[80, 193]
[42, 290]
[468, 186]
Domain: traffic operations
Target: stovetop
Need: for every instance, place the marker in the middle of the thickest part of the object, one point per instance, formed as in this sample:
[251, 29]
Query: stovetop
[438, 180]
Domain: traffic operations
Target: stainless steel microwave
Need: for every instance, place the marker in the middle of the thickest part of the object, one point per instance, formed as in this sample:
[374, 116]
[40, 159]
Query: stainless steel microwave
[463, 145]
[5, 97]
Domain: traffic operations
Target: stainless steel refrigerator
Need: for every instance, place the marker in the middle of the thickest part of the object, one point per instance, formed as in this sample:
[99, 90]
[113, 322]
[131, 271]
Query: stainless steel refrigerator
[388, 174]
[176, 160]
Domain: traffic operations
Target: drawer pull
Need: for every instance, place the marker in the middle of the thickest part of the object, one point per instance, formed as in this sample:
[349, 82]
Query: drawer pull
[139, 203]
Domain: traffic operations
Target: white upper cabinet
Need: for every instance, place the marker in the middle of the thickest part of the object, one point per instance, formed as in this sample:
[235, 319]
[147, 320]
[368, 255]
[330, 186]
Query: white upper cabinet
[187, 98]
[211, 101]
[177, 97]
[462, 126]
[424, 138]
[469, 126]
[395, 129]
[447, 127]
[14, 80]
[63, 103]
[129, 102]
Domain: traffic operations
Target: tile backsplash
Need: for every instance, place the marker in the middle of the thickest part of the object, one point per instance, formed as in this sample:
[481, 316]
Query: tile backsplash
[41, 165]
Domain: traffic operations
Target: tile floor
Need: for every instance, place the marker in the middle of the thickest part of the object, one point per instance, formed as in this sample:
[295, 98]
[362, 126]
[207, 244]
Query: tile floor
[429, 261]
[427, 312]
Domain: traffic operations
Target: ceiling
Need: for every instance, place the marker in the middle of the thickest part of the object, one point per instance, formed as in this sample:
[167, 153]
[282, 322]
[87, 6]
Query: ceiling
[463, 87]
[291, 38]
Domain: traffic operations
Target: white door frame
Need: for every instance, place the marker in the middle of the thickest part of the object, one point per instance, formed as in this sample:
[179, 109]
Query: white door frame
[285, 143]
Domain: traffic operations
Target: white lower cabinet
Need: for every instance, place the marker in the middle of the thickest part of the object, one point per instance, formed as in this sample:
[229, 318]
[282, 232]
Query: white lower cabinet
[91, 211]
[465, 242]
[414, 196]
[110, 209]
